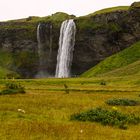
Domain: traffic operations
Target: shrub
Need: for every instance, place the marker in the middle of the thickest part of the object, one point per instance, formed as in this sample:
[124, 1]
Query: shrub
[12, 88]
[103, 83]
[105, 117]
[122, 102]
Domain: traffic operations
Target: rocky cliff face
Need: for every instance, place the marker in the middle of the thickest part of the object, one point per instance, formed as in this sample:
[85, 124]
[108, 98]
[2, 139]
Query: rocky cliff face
[98, 36]
[111, 33]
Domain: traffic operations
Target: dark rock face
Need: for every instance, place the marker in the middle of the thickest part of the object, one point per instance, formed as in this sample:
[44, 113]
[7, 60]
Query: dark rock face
[107, 34]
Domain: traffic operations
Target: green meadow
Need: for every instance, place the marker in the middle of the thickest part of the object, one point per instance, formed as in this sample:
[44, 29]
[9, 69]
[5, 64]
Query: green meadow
[48, 106]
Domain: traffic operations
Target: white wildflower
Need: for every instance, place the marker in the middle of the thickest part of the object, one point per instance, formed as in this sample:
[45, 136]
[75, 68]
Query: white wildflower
[21, 110]
[81, 131]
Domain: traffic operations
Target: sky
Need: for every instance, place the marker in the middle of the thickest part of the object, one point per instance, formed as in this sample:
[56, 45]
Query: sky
[16, 9]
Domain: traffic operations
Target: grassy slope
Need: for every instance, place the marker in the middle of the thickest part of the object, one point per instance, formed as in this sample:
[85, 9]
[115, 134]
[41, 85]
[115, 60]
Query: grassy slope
[86, 22]
[108, 10]
[56, 18]
[48, 110]
[131, 69]
[118, 60]
[59, 16]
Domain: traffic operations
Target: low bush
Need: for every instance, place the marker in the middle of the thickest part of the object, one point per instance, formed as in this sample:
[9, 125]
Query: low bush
[122, 102]
[103, 83]
[12, 88]
[106, 117]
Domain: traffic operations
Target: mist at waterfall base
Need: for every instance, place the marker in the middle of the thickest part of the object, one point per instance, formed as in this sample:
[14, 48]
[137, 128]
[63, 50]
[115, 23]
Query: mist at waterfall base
[66, 48]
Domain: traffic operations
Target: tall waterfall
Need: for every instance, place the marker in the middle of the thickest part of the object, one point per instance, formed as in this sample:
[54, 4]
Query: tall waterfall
[66, 47]
[41, 72]
[44, 39]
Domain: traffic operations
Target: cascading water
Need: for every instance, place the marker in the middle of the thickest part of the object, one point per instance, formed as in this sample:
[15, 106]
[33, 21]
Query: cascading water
[44, 39]
[66, 47]
[41, 72]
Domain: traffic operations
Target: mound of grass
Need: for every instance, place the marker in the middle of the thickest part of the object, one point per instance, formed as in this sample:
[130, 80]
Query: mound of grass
[115, 61]
[106, 117]
[122, 102]
[108, 10]
[12, 88]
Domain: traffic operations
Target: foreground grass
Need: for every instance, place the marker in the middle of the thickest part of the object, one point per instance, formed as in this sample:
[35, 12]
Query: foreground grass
[48, 108]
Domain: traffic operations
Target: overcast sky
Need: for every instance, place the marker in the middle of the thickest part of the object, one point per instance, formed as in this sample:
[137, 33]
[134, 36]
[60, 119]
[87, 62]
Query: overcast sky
[15, 9]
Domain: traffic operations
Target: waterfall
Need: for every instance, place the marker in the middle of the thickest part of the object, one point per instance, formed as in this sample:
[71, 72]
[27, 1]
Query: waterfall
[66, 48]
[44, 39]
[40, 52]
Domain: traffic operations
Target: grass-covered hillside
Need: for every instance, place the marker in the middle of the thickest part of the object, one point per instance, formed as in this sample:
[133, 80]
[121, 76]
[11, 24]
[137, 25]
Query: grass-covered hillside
[108, 10]
[123, 63]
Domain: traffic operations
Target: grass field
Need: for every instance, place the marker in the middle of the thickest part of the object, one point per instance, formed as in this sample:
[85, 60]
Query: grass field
[48, 108]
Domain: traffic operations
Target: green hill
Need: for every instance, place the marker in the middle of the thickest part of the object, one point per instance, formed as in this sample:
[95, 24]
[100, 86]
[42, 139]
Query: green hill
[123, 63]
[108, 10]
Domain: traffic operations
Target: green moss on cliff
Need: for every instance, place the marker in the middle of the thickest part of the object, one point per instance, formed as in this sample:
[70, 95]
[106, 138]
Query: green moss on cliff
[87, 23]
[6, 73]
[5, 59]
[26, 28]
[26, 63]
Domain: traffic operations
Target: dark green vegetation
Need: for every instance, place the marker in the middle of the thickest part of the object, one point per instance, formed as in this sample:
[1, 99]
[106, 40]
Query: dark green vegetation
[12, 88]
[106, 117]
[122, 102]
[123, 63]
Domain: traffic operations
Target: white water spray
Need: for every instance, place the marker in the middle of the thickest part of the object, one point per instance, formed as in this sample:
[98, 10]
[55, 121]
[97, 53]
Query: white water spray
[66, 48]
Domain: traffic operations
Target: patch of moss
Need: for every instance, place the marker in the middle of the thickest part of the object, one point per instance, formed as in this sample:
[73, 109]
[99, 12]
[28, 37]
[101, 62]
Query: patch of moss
[87, 23]
[26, 63]
[6, 73]
[114, 27]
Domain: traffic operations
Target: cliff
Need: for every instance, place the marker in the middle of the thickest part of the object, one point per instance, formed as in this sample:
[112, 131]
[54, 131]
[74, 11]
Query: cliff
[98, 36]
